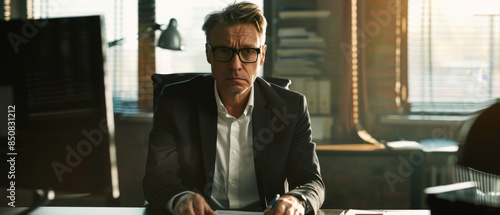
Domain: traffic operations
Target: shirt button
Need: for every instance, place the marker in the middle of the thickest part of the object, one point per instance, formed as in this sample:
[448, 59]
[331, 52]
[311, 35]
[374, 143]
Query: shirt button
[235, 151]
[233, 182]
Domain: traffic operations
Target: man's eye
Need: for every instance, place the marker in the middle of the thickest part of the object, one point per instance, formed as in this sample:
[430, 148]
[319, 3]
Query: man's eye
[224, 51]
[248, 51]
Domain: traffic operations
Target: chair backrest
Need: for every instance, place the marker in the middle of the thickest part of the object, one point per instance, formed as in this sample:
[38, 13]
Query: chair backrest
[481, 150]
[160, 80]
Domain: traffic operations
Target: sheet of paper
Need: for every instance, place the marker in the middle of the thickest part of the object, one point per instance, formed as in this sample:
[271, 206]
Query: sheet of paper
[404, 145]
[386, 212]
[230, 212]
[362, 212]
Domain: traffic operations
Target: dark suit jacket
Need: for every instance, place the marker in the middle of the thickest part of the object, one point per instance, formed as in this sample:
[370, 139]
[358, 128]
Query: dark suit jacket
[182, 143]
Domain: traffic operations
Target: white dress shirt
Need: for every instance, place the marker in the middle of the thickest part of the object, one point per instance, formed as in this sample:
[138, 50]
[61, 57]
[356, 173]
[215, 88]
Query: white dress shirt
[235, 182]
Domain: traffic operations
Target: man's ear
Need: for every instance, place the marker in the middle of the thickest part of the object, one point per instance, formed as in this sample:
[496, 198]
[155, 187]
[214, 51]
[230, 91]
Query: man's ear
[262, 55]
[207, 53]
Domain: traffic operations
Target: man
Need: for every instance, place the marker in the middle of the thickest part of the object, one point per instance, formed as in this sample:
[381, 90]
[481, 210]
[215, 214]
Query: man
[232, 140]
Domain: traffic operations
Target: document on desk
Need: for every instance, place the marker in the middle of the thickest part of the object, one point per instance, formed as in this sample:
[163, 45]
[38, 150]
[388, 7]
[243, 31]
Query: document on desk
[385, 212]
[362, 212]
[230, 212]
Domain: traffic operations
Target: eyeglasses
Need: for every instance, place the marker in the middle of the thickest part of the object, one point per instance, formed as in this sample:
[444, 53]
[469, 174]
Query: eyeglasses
[247, 55]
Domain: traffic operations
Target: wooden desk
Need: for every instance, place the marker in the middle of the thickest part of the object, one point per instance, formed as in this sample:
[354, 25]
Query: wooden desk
[142, 211]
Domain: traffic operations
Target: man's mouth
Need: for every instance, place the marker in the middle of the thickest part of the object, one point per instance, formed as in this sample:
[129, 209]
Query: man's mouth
[236, 79]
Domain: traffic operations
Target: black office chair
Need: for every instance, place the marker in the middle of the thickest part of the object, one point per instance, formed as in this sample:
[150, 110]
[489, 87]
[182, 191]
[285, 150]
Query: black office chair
[479, 156]
[476, 176]
[481, 150]
[160, 80]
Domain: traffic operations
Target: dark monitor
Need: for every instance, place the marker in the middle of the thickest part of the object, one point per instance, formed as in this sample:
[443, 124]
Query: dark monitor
[54, 107]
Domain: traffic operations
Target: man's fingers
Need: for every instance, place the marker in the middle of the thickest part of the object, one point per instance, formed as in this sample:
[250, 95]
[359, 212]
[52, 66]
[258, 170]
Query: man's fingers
[184, 207]
[285, 207]
[280, 208]
[295, 209]
[209, 211]
[200, 206]
[193, 205]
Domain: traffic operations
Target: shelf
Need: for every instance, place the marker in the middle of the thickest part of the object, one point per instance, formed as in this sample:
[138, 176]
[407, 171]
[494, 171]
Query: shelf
[314, 62]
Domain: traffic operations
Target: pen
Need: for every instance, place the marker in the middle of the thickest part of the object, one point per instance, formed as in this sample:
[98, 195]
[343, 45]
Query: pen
[216, 202]
[274, 201]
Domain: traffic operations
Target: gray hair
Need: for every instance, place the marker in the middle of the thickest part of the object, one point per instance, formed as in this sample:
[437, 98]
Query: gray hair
[237, 14]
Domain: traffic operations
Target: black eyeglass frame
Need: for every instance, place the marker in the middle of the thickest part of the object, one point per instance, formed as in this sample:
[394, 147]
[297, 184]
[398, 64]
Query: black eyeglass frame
[213, 49]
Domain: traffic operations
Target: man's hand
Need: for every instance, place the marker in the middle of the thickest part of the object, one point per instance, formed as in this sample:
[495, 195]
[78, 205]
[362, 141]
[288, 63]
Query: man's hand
[192, 204]
[286, 205]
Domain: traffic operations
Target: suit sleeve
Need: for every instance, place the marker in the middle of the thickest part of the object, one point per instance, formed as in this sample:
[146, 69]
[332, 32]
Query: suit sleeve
[304, 175]
[161, 181]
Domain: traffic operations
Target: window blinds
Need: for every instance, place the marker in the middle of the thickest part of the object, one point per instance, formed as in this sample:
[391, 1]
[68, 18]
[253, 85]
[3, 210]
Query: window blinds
[121, 59]
[453, 54]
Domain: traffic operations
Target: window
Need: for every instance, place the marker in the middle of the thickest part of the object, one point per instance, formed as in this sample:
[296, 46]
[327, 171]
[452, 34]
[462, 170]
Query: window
[453, 52]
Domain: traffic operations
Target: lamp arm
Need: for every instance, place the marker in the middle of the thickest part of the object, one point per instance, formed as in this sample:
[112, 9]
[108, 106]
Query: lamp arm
[149, 29]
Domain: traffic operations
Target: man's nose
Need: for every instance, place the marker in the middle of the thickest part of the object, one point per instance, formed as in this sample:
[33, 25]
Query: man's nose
[235, 63]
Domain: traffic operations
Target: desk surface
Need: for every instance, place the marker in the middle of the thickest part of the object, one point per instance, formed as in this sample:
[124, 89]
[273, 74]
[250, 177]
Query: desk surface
[142, 211]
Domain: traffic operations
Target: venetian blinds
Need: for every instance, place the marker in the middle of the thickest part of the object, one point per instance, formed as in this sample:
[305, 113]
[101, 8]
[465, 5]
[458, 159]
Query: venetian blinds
[453, 54]
[120, 21]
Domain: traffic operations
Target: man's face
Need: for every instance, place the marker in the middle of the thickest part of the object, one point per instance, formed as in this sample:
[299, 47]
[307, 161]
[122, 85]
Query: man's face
[235, 77]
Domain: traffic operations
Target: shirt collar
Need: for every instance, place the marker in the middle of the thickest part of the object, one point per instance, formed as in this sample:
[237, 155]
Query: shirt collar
[222, 109]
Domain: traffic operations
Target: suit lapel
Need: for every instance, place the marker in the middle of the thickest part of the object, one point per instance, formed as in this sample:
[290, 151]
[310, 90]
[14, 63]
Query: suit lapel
[207, 113]
[260, 127]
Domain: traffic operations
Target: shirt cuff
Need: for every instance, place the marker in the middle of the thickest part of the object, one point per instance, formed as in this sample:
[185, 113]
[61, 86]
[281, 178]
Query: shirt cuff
[171, 207]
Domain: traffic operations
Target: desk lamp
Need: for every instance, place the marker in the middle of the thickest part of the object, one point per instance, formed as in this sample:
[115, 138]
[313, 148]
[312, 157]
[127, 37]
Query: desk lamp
[170, 38]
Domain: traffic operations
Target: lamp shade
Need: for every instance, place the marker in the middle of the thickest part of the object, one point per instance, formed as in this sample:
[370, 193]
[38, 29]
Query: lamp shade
[170, 38]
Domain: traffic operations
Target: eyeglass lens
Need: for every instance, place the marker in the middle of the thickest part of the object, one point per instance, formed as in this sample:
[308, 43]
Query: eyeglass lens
[246, 55]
